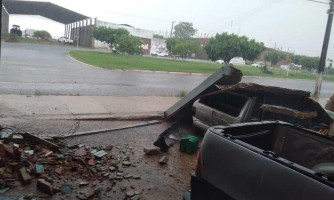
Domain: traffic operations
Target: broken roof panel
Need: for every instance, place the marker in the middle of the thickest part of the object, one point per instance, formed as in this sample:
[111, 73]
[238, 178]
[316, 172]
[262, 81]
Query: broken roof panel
[45, 9]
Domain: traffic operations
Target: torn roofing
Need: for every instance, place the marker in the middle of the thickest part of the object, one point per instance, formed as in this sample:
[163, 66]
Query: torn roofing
[45, 9]
[256, 88]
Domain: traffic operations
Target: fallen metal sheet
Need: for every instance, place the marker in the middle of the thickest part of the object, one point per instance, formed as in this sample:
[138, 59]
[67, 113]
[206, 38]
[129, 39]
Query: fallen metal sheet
[288, 111]
[227, 75]
[147, 123]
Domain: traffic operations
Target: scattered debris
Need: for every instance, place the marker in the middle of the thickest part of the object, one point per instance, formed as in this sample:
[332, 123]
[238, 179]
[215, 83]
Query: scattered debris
[130, 193]
[57, 165]
[26, 178]
[45, 186]
[189, 144]
[100, 154]
[163, 160]
[152, 151]
[66, 189]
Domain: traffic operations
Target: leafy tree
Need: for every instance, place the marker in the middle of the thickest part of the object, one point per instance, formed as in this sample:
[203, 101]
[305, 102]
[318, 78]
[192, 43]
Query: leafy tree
[184, 30]
[296, 59]
[171, 42]
[186, 48]
[42, 34]
[109, 35]
[130, 45]
[309, 63]
[274, 57]
[250, 49]
[223, 47]
[158, 36]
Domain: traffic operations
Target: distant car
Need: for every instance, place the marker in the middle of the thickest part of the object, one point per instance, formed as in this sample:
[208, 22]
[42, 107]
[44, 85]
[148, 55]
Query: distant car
[258, 64]
[219, 61]
[159, 53]
[65, 40]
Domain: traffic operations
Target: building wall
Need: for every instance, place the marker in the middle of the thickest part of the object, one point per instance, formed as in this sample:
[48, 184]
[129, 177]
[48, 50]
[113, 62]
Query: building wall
[5, 21]
[145, 35]
[133, 31]
[158, 45]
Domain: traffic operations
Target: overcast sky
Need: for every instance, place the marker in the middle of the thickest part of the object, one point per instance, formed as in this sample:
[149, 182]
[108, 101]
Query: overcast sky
[294, 25]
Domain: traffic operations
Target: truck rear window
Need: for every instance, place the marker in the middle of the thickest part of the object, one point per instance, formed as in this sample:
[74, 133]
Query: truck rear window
[227, 102]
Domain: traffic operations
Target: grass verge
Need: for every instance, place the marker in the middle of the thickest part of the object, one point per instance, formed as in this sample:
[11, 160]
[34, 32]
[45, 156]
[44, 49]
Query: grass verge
[114, 61]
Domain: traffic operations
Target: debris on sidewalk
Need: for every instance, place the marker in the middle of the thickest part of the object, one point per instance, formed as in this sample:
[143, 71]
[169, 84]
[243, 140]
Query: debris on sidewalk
[56, 167]
[163, 160]
[151, 151]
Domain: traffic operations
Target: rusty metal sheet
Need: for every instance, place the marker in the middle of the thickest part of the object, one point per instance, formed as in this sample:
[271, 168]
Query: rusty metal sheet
[256, 88]
[288, 111]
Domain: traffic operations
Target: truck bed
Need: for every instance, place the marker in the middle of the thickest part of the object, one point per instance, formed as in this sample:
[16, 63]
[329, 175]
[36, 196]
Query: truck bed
[268, 160]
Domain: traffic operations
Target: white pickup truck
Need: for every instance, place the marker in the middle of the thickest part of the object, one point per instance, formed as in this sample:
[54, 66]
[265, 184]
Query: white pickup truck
[65, 40]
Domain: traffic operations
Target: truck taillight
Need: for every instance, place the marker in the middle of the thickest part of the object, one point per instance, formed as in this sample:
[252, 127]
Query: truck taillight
[198, 169]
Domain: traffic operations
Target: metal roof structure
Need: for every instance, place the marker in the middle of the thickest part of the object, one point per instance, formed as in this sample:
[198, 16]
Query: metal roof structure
[45, 9]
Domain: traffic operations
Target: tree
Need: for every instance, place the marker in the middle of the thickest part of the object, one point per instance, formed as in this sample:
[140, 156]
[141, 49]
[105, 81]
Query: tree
[158, 36]
[171, 42]
[42, 34]
[250, 49]
[223, 47]
[186, 49]
[109, 35]
[309, 63]
[130, 45]
[274, 57]
[184, 30]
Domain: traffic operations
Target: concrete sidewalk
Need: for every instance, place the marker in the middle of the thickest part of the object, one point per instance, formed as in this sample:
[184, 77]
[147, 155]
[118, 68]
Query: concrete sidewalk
[83, 106]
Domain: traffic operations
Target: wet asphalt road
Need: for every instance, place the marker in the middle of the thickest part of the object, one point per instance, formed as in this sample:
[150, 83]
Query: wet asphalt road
[43, 69]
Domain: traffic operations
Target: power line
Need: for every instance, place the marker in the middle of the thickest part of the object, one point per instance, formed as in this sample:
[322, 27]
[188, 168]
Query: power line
[318, 2]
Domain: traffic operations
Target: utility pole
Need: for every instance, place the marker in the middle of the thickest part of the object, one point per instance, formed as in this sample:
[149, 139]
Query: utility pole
[171, 30]
[324, 50]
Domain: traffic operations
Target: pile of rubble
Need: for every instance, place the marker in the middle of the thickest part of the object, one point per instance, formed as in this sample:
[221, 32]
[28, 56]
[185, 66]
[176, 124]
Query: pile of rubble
[56, 168]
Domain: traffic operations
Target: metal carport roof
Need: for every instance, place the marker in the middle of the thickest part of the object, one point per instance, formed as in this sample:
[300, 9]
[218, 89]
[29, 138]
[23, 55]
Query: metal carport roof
[45, 9]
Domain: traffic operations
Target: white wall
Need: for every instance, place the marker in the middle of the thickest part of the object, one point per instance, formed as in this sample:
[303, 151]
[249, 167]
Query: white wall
[158, 45]
[133, 31]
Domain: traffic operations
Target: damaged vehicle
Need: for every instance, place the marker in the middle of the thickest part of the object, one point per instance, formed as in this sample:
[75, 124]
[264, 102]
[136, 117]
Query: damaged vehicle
[263, 160]
[221, 99]
[252, 102]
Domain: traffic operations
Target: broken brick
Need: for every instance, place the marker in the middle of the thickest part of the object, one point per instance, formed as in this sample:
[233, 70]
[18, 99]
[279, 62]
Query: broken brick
[152, 151]
[44, 186]
[91, 162]
[26, 178]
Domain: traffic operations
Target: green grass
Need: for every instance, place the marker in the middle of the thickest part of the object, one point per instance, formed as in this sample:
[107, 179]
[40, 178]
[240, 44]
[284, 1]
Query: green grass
[113, 61]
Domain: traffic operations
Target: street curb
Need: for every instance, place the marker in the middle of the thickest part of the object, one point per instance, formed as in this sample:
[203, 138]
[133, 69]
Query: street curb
[147, 123]
[124, 117]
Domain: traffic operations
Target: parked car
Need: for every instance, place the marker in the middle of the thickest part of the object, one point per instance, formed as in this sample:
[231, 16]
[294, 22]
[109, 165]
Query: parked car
[258, 64]
[252, 102]
[264, 160]
[160, 53]
[220, 62]
[65, 40]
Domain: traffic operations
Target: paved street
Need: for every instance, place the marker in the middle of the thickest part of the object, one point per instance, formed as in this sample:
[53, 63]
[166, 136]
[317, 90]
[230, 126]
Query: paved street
[43, 69]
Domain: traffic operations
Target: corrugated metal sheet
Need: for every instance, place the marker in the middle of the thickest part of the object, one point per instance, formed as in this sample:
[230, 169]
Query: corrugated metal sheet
[45, 9]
